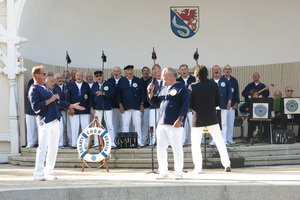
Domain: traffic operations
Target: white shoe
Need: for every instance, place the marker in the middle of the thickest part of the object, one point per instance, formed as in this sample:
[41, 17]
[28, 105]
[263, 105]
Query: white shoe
[29, 146]
[95, 145]
[196, 171]
[162, 175]
[50, 177]
[178, 176]
[39, 178]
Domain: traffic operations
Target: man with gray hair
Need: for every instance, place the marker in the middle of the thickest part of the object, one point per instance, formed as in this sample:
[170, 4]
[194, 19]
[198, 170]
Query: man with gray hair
[174, 104]
[117, 117]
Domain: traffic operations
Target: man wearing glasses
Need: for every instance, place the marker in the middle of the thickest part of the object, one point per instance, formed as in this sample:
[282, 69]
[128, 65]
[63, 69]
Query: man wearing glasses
[101, 102]
[288, 118]
[45, 105]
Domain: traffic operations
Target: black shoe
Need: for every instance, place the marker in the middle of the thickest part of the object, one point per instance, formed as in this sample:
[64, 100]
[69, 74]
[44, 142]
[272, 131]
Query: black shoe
[228, 169]
[73, 147]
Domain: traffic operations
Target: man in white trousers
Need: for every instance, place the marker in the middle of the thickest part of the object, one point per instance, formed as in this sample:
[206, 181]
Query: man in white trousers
[131, 98]
[78, 91]
[117, 117]
[227, 70]
[44, 103]
[101, 101]
[174, 104]
[186, 79]
[204, 97]
[154, 109]
[226, 96]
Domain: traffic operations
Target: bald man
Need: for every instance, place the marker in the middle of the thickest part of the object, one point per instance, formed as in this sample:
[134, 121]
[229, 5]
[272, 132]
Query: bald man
[78, 91]
[277, 94]
[257, 85]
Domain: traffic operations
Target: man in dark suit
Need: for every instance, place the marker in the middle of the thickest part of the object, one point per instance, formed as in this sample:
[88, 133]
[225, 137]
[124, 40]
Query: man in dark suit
[204, 97]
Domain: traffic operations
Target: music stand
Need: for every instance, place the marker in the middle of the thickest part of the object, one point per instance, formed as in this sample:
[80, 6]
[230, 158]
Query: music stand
[261, 111]
[291, 107]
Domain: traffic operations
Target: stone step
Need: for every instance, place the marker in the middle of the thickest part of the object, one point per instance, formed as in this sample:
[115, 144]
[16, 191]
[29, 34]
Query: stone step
[255, 155]
[146, 163]
[244, 151]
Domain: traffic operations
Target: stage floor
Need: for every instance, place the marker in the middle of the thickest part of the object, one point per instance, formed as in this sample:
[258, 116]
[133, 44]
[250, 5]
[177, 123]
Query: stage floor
[16, 177]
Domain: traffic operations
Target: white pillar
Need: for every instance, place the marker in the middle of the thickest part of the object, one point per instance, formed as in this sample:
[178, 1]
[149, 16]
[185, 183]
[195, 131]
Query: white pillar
[9, 58]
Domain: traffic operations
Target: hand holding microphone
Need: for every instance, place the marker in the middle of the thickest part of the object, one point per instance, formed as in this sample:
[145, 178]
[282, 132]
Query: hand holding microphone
[151, 86]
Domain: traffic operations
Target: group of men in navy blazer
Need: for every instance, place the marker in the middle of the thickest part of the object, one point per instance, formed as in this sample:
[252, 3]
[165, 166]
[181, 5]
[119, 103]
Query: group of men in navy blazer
[122, 100]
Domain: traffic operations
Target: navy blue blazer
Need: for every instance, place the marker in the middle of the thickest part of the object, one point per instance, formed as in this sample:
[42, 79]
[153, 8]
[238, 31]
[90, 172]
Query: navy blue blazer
[82, 96]
[28, 108]
[174, 102]
[191, 79]
[102, 102]
[115, 84]
[45, 114]
[132, 96]
[252, 86]
[146, 83]
[61, 93]
[225, 91]
[235, 90]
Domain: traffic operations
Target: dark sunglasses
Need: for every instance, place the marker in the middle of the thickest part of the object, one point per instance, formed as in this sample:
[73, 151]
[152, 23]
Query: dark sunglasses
[290, 90]
[98, 75]
[41, 73]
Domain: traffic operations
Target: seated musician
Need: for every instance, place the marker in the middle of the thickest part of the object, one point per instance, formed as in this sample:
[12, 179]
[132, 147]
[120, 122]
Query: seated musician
[277, 104]
[290, 118]
[253, 124]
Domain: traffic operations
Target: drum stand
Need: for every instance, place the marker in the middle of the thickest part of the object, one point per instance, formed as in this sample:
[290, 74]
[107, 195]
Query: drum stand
[95, 123]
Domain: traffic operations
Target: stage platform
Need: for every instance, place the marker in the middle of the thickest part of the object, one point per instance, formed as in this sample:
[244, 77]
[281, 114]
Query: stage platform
[258, 154]
[264, 182]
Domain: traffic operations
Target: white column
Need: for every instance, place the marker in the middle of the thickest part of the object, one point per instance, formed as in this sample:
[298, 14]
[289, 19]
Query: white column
[9, 58]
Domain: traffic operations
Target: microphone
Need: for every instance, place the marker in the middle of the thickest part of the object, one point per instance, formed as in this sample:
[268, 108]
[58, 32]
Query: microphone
[153, 79]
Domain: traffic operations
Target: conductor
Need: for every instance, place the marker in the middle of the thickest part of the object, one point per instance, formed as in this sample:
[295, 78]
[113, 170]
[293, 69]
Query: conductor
[204, 97]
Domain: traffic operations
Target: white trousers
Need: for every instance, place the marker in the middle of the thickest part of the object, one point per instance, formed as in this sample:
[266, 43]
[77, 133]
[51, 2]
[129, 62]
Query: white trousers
[47, 149]
[61, 132]
[136, 120]
[76, 120]
[167, 134]
[145, 124]
[108, 118]
[186, 136]
[152, 114]
[117, 119]
[230, 125]
[223, 124]
[31, 129]
[67, 127]
[196, 136]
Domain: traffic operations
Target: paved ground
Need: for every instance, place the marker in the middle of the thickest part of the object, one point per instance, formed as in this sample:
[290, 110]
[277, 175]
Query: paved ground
[17, 177]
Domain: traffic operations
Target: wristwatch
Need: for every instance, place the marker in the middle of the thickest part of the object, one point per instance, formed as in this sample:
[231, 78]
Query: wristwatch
[180, 118]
